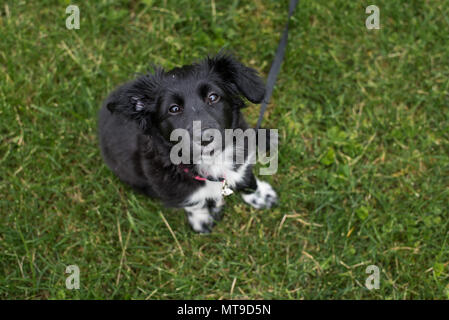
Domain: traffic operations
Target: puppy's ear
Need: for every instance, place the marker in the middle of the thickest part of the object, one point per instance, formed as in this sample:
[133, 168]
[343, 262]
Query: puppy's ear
[135, 100]
[246, 79]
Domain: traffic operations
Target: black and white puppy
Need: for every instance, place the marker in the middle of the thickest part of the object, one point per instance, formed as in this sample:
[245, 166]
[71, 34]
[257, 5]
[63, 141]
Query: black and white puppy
[136, 120]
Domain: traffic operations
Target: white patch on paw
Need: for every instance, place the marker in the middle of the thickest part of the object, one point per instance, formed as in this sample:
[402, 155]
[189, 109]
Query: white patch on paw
[200, 220]
[199, 217]
[263, 197]
[219, 204]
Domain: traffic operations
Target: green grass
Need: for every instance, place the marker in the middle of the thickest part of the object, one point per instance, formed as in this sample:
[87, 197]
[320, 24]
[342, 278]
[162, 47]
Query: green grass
[363, 174]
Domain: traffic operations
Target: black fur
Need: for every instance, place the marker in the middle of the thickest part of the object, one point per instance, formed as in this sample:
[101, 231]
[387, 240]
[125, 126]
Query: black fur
[134, 124]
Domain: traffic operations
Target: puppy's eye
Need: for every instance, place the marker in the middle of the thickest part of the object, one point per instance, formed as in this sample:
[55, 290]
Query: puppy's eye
[213, 98]
[174, 108]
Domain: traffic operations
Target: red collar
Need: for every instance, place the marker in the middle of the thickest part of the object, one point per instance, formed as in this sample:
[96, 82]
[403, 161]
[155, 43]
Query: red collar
[199, 177]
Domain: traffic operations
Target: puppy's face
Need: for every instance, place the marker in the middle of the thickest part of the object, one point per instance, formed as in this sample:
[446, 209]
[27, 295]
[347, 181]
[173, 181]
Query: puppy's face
[191, 95]
[209, 92]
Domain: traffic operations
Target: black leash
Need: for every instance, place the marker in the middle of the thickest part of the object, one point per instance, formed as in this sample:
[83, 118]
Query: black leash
[276, 66]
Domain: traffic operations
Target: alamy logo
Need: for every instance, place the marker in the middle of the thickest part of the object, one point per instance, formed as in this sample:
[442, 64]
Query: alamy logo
[72, 21]
[372, 22]
[238, 146]
[73, 281]
[373, 281]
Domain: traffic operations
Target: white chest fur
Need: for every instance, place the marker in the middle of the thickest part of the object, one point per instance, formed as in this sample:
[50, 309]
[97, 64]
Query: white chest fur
[220, 166]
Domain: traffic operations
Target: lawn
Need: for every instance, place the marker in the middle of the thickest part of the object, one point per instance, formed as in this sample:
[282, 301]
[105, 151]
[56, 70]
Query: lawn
[363, 172]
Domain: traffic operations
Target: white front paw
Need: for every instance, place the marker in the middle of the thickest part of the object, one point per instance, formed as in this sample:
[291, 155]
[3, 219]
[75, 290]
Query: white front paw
[263, 197]
[201, 221]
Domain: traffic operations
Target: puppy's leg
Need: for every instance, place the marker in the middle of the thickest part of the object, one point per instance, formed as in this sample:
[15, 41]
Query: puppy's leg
[203, 215]
[259, 194]
[216, 208]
